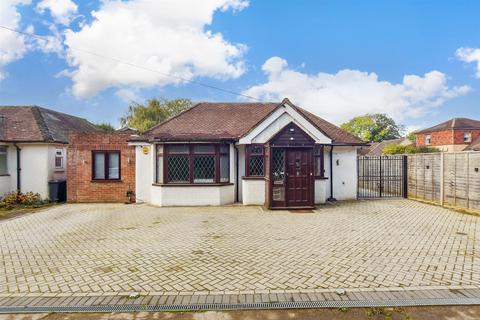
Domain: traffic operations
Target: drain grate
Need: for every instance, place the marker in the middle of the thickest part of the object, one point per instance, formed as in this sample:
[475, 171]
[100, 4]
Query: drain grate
[246, 306]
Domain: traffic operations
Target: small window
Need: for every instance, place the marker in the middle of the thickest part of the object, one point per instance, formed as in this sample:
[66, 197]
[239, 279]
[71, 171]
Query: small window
[318, 157]
[255, 161]
[59, 159]
[3, 161]
[428, 139]
[106, 165]
[467, 137]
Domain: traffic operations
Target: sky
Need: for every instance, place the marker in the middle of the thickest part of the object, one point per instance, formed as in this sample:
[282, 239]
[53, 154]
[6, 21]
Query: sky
[418, 61]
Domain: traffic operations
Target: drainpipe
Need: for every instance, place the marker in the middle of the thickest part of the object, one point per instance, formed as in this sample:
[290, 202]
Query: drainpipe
[19, 169]
[237, 182]
[331, 175]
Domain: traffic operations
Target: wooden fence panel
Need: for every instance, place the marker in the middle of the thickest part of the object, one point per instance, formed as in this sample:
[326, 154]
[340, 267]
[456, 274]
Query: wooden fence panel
[459, 172]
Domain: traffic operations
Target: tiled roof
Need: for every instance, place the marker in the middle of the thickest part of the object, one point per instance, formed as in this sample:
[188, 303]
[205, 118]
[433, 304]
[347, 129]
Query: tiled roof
[376, 148]
[455, 123]
[231, 121]
[36, 124]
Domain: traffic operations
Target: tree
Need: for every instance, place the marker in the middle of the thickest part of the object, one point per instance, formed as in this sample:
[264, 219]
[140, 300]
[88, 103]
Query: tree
[374, 127]
[143, 117]
[412, 136]
[105, 126]
[401, 149]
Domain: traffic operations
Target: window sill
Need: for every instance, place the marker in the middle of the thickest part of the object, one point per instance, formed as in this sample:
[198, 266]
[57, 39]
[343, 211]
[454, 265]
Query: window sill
[253, 178]
[321, 178]
[58, 170]
[191, 184]
[5, 175]
[105, 180]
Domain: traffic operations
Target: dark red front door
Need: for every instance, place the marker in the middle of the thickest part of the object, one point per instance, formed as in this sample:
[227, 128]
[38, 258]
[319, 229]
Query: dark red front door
[299, 178]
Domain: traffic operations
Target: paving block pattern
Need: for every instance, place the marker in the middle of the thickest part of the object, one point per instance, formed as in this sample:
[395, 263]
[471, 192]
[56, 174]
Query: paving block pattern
[113, 250]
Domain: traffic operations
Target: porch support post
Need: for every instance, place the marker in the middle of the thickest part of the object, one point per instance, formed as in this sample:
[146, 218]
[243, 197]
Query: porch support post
[331, 198]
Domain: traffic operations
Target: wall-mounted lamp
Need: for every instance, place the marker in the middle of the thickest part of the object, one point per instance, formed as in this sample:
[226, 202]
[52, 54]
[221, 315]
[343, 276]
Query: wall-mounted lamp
[337, 162]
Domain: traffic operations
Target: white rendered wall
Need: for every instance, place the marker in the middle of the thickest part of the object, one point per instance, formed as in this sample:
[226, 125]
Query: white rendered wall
[321, 190]
[144, 173]
[56, 174]
[192, 195]
[344, 172]
[253, 191]
[35, 169]
[241, 170]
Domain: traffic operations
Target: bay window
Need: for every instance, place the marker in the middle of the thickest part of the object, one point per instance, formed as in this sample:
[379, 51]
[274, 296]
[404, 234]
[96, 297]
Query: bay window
[106, 165]
[255, 161]
[196, 163]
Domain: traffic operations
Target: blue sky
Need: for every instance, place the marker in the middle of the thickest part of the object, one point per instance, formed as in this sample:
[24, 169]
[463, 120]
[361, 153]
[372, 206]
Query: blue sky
[338, 59]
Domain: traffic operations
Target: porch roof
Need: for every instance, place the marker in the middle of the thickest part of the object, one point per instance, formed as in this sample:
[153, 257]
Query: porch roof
[220, 121]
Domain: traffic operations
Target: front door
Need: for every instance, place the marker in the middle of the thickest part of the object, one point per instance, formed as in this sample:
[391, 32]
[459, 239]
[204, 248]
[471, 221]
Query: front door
[299, 178]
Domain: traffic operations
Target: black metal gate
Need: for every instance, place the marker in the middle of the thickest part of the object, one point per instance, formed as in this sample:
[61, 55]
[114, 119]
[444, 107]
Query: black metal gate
[382, 177]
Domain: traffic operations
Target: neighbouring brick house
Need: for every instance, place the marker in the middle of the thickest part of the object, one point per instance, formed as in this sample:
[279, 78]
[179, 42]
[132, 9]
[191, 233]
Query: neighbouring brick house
[450, 136]
[101, 167]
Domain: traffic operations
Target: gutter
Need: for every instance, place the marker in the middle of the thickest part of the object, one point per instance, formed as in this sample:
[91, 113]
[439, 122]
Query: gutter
[19, 169]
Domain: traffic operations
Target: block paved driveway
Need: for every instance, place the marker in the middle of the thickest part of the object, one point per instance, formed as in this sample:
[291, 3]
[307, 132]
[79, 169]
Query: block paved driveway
[110, 249]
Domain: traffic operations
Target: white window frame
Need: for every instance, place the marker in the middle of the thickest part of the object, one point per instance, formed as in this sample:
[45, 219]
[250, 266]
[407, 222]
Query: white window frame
[467, 137]
[5, 152]
[428, 139]
[59, 153]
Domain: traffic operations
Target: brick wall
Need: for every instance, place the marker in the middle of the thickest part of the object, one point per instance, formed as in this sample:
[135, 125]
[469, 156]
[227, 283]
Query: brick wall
[447, 137]
[458, 136]
[439, 138]
[80, 187]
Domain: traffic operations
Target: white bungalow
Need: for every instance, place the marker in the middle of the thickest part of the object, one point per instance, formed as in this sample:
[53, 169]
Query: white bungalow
[272, 154]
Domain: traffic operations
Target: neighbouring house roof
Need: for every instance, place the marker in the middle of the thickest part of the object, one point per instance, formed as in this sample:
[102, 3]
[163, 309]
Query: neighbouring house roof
[215, 121]
[452, 124]
[37, 124]
[376, 148]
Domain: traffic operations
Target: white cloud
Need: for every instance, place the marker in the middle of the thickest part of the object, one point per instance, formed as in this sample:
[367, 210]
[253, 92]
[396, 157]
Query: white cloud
[62, 11]
[470, 55]
[12, 45]
[167, 36]
[348, 93]
[128, 95]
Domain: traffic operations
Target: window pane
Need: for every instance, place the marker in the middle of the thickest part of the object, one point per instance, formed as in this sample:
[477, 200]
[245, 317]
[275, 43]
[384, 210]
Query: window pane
[203, 148]
[318, 167]
[114, 166]
[3, 160]
[204, 169]
[99, 166]
[224, 168]
[255, 166]
[58, 162]
[178, 148]
[224, 148]
[178, 169]
[278, 163]
[256, 150]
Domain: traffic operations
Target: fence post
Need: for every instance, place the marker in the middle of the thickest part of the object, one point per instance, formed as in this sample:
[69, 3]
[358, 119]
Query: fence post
[381, 177]
[442, 178]
[405, 176]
